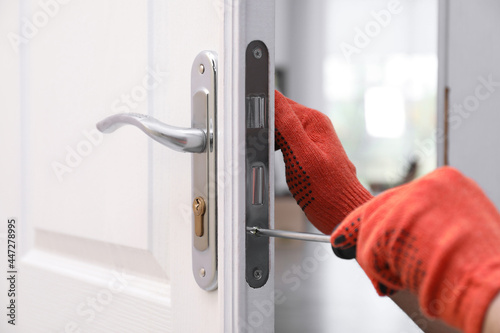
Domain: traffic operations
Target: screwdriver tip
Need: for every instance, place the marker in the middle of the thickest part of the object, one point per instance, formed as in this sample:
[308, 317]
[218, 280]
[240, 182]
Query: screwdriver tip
[253, 230]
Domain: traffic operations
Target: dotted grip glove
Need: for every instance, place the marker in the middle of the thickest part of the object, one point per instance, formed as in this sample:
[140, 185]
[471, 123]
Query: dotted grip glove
[318, 172]
[439, 237]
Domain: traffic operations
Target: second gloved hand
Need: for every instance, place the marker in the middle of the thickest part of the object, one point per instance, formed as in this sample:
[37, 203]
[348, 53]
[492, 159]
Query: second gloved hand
[438, 237]
[319, 174]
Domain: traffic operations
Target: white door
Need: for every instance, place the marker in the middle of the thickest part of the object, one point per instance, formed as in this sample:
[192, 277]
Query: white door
[470, 70]
[103, 222]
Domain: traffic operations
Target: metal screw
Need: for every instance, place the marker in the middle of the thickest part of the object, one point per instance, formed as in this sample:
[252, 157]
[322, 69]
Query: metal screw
[257, 274]
[257, 53]
[202, 272]
[201, 69]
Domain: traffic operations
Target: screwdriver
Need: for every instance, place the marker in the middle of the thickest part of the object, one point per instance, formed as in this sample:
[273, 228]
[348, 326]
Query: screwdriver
[303, 236]
[348, 253]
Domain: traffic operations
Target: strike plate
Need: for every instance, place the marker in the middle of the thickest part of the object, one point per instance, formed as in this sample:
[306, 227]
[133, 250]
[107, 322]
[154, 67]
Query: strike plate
[204, 171]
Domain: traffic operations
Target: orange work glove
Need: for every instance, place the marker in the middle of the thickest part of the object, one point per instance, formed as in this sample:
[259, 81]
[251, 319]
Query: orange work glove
[439, 237]
[318, 172]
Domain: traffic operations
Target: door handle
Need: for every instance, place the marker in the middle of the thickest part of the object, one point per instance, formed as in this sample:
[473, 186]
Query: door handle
[201, 139]
[189, 140]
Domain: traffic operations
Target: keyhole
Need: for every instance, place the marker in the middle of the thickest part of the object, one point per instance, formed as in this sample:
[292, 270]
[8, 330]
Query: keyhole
[197, 205]
[199, 211]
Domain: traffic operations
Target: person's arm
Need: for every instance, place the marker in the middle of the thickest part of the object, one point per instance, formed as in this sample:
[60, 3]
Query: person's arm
[492, 320]
[437, 237]
[323, 180]
[408, 302]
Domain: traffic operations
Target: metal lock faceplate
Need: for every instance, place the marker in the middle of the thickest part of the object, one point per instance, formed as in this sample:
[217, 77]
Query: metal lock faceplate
[257, 162]
[204, 170]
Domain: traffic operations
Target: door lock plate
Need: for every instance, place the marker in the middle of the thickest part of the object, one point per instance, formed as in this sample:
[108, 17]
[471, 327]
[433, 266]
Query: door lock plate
[204, 170]
[257, 162]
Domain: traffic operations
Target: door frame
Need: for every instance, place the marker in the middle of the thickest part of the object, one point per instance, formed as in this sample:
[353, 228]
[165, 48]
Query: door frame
[244, 309]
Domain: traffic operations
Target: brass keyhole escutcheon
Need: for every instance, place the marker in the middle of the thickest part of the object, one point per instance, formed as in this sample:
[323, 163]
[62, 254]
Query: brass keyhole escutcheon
[199, 209]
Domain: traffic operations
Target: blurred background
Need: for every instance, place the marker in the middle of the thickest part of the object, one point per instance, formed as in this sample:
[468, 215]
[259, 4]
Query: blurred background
[371, 66]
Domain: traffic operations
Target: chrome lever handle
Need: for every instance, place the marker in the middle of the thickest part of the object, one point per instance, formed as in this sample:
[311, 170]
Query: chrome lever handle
[201, 139]
[189, 140]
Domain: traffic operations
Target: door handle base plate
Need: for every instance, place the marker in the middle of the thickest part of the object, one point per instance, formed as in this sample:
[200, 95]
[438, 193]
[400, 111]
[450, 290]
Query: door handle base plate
[204, 169]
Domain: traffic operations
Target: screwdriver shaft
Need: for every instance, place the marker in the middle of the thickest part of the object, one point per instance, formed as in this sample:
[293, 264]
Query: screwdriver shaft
[303, 236]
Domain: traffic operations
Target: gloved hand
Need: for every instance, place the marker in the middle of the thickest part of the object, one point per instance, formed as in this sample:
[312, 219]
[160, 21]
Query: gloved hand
[318, 172]
[439, 237]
